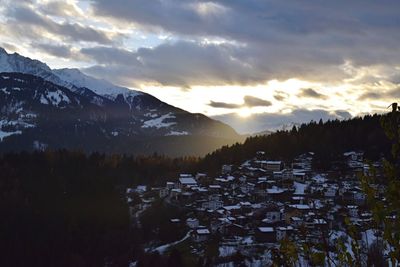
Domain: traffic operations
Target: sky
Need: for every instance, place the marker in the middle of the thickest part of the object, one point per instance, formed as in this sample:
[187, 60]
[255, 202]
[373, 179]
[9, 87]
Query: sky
[254, 64]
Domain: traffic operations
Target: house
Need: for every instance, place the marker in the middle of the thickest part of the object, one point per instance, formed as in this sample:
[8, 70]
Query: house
[201, 235]
[234, 229]
[265, 234]
[330, 191]
[272, 166]
[226, 168]
[185, 182]
[285, 174]
[212, 204]
[170, 185]
[353, 211]
[192, 223]
[296, 221]
[163, 192]
[283, 232]
[272, 214]
[299, 176]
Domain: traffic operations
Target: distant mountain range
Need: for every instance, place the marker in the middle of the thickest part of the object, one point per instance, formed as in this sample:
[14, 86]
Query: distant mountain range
[43, 108]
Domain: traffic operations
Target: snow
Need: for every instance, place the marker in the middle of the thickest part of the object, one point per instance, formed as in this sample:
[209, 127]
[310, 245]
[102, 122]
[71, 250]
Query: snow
[225, 251]
[163, 248]
[99, 86]
[4, 90]
[6, 134]
[159, 122]
[275, 190]
[177, 133]
[44, 100]
[203, 231]
[266, 229]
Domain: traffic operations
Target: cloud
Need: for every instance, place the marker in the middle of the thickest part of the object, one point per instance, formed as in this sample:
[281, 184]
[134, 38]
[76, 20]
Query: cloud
[391, 95]
[311, 93]
[23, 15]
[56, 50]
[280, 95]
[181, 63]
[275, 121]
[251, 101]
[224, 105]
[248, 101]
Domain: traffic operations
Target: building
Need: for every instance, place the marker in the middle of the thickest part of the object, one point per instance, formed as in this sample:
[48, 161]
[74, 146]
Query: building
[273, 166]
[201, 235]
[187, 182]
[265, 235]
[192, 223]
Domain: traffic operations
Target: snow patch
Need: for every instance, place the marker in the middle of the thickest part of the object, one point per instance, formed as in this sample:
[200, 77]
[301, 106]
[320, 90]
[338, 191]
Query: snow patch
[7, 134]
[159, 122]
[177, 133]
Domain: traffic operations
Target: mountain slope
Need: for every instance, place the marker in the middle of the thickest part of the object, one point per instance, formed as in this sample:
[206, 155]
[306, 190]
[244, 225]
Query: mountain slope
[94, 115]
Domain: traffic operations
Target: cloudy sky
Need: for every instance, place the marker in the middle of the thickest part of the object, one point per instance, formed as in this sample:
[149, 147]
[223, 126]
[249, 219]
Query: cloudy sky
[256, 64]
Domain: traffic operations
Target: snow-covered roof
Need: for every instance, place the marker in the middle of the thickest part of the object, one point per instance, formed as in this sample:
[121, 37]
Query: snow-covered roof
[203, 231]
[273, 162]
[187, 181]
[266, 229]
[300, 206]
[275, 190]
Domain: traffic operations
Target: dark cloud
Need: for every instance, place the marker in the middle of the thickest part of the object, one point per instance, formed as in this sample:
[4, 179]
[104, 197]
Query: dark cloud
[311, 93]
[251, 101]
[275, 121]
[330, 32]
[178, 64]
[392, 94]
[56, 50]
[224, 105]
[248, 101]
[280, 95]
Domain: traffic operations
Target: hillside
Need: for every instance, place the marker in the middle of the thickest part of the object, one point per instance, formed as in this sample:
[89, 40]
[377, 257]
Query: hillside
[328, 140]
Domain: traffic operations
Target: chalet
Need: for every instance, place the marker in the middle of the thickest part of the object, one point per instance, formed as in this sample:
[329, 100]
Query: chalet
[277, 194]
[170, 185]
[185, 182]
[212, 204]
[265, 234]
[283, 232]
[201, 235]
[285, 174]
[163, 192]
[296, 221]
[226, 169]
[192, 223]
[234, 229]
[299, 176]
[330, 191]
[272, 166]
[272, 214]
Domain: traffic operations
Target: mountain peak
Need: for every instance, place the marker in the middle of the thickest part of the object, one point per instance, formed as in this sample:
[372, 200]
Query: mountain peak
[3, 51]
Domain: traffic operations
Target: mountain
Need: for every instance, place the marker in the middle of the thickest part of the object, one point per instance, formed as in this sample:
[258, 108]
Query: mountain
[45, 108]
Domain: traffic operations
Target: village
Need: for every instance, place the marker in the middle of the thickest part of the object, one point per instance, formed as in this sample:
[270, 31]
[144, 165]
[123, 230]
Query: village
[250, 208]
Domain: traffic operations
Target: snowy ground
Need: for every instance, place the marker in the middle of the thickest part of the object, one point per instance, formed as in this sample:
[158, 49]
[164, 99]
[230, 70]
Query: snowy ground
[163, 248]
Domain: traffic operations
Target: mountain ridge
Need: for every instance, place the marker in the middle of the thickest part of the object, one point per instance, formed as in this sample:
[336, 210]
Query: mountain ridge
[30, 88]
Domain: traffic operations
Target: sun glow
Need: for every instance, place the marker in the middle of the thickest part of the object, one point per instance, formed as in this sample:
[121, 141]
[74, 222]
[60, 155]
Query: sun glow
[244, 112]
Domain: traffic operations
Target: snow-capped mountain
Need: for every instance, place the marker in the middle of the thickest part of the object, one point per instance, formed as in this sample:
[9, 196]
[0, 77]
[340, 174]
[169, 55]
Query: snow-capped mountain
[100, 87]
[40, 107]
